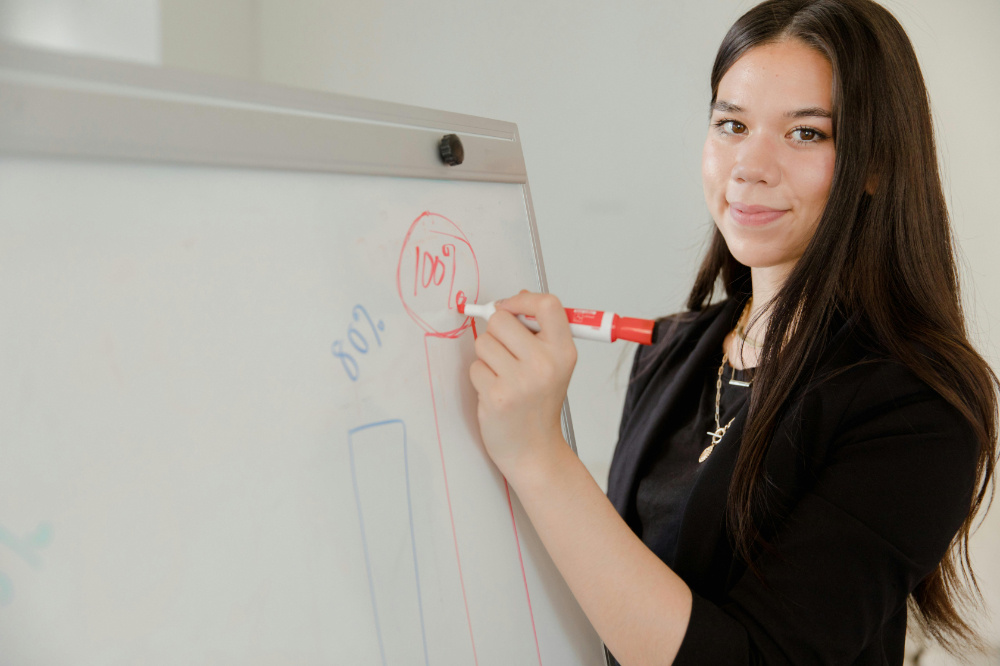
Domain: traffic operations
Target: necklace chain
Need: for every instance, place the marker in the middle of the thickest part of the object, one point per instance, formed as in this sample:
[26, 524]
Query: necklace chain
[720, 430]
[741, 327]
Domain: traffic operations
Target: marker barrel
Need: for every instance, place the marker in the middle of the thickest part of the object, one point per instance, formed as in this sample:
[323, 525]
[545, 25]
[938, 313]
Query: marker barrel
[585, 324]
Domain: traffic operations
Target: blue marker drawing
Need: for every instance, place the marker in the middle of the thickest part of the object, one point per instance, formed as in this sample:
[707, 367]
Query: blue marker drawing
[381, 475]
[27, 549]
[358, 340]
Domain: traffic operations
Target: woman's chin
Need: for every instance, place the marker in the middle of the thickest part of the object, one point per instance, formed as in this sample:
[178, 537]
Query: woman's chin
[761, 258]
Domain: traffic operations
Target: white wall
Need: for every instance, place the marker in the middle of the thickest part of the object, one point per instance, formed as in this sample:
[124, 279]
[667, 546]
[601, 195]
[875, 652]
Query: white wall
[611, 102]
[219, 36]
[126, 30]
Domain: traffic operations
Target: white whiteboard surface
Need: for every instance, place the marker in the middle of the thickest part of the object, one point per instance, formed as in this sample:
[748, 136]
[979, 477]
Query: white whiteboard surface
[227, 439]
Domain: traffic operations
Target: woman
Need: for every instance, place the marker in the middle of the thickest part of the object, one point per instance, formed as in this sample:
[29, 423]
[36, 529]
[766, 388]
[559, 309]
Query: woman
[791, 516]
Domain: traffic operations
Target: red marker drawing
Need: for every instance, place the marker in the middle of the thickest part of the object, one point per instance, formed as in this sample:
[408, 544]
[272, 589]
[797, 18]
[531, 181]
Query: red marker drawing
[585, 324]
[443, 264]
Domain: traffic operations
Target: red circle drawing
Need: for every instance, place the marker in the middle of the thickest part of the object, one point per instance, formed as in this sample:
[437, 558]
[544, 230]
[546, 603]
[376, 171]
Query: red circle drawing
[436, 264]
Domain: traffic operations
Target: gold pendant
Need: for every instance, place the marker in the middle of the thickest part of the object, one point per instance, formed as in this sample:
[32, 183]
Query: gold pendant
[706, 453]
[716, 436]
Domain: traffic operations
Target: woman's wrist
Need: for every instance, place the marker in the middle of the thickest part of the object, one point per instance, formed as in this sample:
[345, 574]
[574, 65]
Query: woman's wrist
[540, 465]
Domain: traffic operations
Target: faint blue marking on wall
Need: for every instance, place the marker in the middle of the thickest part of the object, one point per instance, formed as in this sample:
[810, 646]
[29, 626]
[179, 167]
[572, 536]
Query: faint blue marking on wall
[26, 548]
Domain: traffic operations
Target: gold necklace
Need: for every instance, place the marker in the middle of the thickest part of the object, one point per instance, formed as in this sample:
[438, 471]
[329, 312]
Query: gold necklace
[719, 431]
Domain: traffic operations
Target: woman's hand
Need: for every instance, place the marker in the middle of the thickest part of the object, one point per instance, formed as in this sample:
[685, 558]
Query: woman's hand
[521, 378]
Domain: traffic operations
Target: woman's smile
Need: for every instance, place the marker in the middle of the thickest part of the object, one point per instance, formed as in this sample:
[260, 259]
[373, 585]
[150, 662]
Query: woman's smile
[754, 216]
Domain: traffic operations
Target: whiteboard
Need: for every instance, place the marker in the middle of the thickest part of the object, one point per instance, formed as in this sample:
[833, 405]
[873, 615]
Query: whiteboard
[236, 425]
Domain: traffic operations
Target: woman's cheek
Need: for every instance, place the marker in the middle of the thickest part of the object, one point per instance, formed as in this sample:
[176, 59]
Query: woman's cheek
[815, 179]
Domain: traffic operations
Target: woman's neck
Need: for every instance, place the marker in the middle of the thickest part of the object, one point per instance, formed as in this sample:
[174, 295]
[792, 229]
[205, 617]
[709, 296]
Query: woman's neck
[744, 349]
[766, 283]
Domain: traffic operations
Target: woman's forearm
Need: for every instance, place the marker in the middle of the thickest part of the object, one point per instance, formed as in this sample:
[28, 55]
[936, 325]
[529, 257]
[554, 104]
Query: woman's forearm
[638, 606]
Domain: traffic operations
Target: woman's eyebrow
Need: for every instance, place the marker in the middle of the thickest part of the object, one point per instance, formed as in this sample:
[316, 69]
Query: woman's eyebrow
[726, 107]
[723, 106]
[810, 112]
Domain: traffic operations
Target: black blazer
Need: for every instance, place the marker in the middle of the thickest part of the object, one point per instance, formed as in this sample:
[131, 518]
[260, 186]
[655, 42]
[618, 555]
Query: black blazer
[872, 472]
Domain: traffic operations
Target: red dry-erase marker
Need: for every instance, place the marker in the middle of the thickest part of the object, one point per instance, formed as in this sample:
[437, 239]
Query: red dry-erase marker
[586, 324]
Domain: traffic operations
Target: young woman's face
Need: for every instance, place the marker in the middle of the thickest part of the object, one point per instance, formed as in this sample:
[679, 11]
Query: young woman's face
[768, 159]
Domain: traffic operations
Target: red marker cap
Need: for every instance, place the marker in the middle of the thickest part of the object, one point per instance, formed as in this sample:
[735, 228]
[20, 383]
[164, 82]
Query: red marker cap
[633, 329]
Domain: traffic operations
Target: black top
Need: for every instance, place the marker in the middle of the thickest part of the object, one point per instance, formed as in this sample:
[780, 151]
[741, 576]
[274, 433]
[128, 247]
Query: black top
[669, 472]
[871, 474]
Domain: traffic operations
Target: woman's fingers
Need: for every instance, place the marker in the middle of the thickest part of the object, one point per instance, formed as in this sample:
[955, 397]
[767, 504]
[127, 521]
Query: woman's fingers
[521, 378]
[497, 356]
[482, 376]
[513, 335]
[554, 334]
[546, 309]
[543, 359]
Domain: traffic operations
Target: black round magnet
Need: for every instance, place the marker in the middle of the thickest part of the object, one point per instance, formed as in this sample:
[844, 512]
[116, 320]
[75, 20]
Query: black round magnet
[451, 150]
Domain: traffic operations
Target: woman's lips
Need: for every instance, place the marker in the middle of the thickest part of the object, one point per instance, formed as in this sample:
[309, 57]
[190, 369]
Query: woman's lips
[754, 216]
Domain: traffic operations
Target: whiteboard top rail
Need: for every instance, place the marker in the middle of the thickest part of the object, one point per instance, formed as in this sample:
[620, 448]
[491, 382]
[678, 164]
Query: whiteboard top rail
[51, 104]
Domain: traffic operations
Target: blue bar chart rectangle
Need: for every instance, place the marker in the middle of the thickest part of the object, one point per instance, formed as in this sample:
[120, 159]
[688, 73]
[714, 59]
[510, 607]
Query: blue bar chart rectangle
[380, 471]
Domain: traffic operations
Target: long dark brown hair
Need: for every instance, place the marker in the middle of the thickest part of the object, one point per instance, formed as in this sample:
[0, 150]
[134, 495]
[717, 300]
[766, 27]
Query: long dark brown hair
[882, 253]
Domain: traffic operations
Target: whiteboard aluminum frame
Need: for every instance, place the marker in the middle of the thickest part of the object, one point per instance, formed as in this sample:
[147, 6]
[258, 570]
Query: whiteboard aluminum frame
[76, 107]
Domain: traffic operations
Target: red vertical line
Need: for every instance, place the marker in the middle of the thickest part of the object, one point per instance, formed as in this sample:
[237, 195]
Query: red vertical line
[451, 286]
[475, 335]
[416, 271]
[524, 575]
[447, 494]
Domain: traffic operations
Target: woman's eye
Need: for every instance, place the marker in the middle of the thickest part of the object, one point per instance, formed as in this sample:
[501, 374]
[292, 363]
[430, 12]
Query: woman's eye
[731, 127]
[807, 135]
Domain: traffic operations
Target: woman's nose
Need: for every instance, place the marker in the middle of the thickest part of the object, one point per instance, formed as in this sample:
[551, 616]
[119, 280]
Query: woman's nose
[757, 161]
